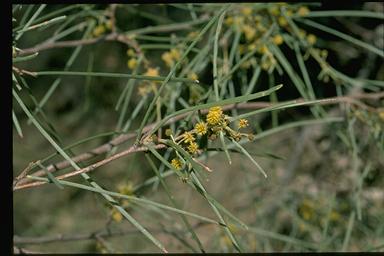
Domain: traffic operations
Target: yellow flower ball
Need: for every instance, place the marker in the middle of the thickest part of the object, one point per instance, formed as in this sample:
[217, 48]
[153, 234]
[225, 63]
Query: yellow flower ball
[132, 63]
[246, 11]
[243, 123]
[116, 215]
[125, 188]
[167, 58]
[188, 137]
[176, 163]
[193, 76]
[175, 53]
[130, 52]
[214, 115]
[303, 11]
[99, 30]
[324, 53]
[278, 39]
[311, 39]
[263, 49]
[144, 90]
[108, 24]
[168, 132]
[282, 21]
[193, 148]
[201, 128]
[152, 72]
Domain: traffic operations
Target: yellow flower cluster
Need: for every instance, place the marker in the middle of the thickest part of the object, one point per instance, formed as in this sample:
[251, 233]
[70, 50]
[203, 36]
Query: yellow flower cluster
[315, 212]
[303, 11]
[254, 23]
[98, 30]
[171, 56]
[246, 11]
[102, 28]
[130, 52]
[381, 114]
[125, 189]
[281, 20]
[147, 87]
[201, 128]
[215, 122]
[306, 209]
[193, 76]
[268, 62]
[215, 115]
[278, 39]
[311, 39]
[243, 123]
[176, 163]
[188, 137]
[116, 215]
[132, 61]
[152, 72]
[193, 148]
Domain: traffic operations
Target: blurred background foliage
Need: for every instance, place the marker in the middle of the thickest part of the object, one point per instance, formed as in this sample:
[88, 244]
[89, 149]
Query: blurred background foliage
[316, 197]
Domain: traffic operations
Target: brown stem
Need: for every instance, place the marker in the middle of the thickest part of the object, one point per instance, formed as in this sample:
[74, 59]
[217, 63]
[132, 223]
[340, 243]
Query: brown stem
[88, 236]
[73, 43]
[91, 167]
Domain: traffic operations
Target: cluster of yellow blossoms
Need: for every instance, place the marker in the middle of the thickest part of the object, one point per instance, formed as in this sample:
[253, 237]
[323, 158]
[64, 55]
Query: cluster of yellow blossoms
[132, 61]
[215, 122]
[171, 56]
[125, 189]
[148, 86]
[102, 27]
[374, 119]
[312, 211]
[253, 24]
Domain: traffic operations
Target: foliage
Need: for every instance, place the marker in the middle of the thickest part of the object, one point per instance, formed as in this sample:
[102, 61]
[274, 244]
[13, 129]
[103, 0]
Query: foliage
[169, 90]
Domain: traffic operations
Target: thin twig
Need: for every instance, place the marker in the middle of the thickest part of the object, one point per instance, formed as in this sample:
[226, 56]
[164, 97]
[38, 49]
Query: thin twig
[91, 167]
[88, 236]
[19, 250]
[23, 71]
[70, 43]
[24, 173]
[112, 16]
[122, 37]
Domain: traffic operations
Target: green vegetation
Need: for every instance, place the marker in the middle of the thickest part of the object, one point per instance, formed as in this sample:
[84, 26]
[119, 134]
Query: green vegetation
[253, 127]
